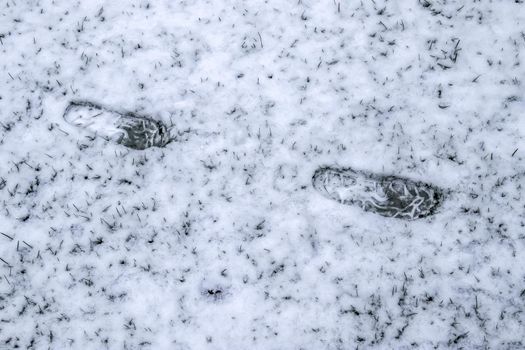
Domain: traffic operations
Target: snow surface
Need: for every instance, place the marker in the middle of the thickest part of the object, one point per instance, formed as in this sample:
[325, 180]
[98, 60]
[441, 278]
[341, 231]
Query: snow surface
[219, 241]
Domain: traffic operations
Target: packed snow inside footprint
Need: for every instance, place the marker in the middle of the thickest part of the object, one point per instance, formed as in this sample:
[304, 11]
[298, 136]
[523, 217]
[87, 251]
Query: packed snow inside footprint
[386, 195]
[130, 130]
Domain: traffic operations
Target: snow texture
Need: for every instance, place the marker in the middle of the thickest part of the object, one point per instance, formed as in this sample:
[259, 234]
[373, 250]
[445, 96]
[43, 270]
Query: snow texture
[218, 240]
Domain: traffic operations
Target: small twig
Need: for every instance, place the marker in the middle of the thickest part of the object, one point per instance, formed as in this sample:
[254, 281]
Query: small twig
[4, 234]
[5, 262]
[260, 39]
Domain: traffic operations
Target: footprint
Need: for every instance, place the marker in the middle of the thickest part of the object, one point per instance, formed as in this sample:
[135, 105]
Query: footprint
[386, 195]
[130, 130]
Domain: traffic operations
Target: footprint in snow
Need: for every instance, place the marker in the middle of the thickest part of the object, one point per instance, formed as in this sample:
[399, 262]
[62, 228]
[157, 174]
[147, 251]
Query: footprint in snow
[386, 195]
[128, 129]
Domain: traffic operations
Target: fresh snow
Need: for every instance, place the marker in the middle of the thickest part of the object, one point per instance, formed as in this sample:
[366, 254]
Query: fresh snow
[219, 240]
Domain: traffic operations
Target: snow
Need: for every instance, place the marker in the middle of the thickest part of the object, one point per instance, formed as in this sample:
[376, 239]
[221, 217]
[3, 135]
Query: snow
[218, 240]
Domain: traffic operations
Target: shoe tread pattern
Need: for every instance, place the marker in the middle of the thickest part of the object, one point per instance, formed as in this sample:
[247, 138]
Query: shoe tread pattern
[386, 195]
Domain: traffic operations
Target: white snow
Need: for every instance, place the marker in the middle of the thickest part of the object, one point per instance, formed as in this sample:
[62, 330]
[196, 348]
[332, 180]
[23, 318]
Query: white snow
[219, 241]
